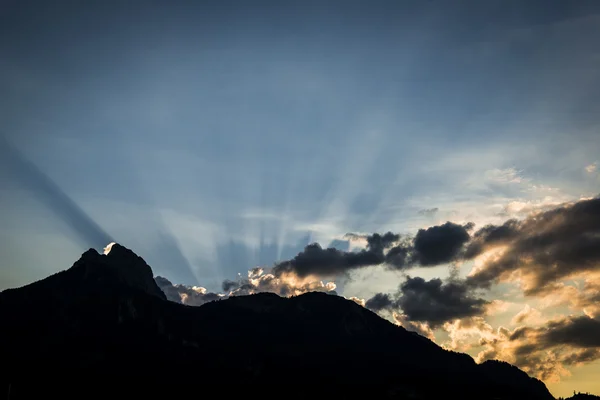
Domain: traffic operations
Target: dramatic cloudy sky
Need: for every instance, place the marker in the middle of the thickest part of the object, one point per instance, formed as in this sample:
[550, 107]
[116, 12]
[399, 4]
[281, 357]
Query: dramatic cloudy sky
[223, 136]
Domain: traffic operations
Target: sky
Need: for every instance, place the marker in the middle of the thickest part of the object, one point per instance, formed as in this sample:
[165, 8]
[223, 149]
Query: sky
[213, 138]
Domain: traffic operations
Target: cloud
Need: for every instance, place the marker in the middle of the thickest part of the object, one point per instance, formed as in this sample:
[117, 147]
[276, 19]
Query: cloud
[504, 176]
[435, 302]
[490, 236]
[440, 244]
[48, 191]
[380, 301]
[413, 326]
[432, 302]
[378, 243]
[527, 315]
[580, 331]
[545, 350]
[317, 261]
[581, 357]
[257, 281]
[540, 250]
[461, 332]
[429, 247]
[590, 169]
[524, 208]
[357, 300]
[284, 285]
[189, 295]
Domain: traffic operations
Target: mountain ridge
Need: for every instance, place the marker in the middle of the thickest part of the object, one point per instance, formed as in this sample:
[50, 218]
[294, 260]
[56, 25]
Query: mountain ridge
[103, 318]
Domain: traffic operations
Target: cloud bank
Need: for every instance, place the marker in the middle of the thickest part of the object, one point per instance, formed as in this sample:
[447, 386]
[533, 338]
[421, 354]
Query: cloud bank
[429, 247]
[537, 254]
[547, 350]
[257, 281]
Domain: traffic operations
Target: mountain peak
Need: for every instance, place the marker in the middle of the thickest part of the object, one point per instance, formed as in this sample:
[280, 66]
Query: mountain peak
[118, 265]
[115, 251]
[109, 246]
[90, 254]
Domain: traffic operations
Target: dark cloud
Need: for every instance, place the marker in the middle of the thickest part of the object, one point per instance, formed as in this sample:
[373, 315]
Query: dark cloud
[543, 351]
[398, 256]
[440, 244]
[432, 246]
[379, 302]
[547, 246]
[491, 235]
[433, 302]
[582, 357]
[315, 260]
[519, 333]
[228, 285]
[378, 243]
[544, 247]
[51, 195]
[580, 331]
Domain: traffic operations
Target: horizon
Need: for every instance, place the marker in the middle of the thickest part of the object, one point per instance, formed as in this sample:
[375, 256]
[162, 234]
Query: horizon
[438, 164]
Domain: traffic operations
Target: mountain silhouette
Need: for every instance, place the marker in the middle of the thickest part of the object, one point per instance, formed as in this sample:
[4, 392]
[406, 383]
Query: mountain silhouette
[104, 328]
[583, 396]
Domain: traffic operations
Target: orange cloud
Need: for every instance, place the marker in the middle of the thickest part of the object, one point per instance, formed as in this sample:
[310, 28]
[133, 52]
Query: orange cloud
[422, 328]
[528, 315]
[546, 351]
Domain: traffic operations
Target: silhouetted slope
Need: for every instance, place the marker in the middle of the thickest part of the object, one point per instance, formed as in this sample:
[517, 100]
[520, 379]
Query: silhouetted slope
[103, 323]
[583, 396]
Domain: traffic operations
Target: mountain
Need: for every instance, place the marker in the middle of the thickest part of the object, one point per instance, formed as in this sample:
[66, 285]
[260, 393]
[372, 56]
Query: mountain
[104, 328]
[583, 396]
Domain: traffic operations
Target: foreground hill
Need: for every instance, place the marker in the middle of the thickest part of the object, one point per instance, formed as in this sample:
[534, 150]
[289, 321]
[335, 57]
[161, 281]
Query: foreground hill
[103, 327]
[583, 396]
